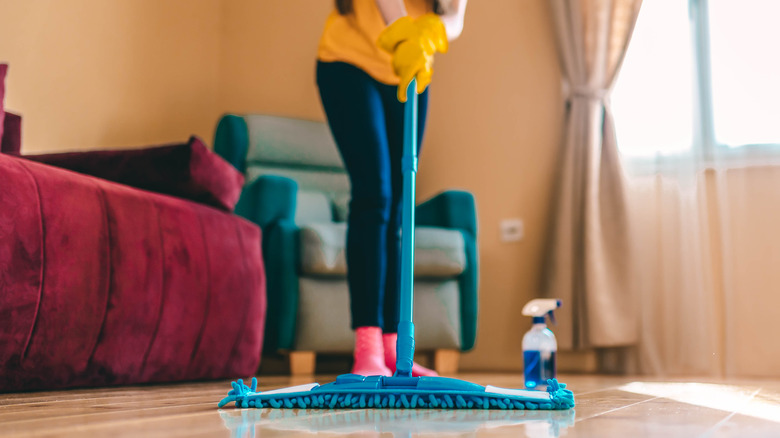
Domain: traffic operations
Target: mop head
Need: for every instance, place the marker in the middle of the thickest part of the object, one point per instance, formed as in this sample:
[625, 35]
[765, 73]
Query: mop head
[352, 391]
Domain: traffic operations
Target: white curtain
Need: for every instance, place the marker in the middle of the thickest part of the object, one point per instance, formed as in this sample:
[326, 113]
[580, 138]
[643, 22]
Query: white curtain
[707, 261]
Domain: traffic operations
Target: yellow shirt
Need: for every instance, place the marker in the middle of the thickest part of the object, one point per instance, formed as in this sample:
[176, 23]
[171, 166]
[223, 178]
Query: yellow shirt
[352, 38]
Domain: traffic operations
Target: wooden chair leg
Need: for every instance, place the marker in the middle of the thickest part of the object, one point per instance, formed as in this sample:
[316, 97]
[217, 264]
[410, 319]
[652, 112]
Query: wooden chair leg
[446, 361]
[302, 363]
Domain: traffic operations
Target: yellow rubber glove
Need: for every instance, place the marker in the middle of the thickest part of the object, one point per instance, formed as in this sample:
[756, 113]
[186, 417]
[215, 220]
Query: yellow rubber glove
[412, 44]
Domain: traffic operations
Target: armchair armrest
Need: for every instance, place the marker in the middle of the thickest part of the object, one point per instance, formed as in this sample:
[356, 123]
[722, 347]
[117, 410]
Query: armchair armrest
[270, 202]
[281, 252]
[267, 200]
[450, 209]
[457, 210]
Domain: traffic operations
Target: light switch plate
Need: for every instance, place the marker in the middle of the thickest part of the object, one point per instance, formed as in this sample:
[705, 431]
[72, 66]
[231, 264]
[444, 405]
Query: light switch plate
[511, 230]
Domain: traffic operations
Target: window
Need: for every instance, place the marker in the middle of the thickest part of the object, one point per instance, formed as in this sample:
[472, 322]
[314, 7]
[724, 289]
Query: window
[745, 71]
[700, 77]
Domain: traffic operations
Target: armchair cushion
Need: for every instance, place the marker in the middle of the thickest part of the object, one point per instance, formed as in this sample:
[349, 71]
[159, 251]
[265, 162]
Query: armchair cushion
[315, 179]
[324, 317]
[188, 171]
[291, 143]
[341, 207]
[312, 207]
[439, 252]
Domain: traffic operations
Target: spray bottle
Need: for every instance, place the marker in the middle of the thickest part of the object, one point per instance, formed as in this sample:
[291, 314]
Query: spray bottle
[539, 344]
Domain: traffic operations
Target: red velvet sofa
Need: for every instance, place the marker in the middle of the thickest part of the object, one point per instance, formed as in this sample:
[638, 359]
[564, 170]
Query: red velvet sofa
[105, 284]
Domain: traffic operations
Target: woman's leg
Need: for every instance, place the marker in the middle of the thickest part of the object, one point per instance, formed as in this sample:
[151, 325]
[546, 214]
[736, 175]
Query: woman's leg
[353, 106]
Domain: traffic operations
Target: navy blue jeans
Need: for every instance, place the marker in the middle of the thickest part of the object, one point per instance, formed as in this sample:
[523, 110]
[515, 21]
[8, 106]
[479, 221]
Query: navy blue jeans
[366, 120]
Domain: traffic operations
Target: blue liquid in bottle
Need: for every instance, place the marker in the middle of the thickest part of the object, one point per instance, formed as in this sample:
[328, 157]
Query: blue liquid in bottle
[538, 367]
[539, 348]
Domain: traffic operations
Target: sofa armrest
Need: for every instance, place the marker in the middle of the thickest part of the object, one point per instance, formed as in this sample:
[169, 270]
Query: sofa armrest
[450, 209]
[267, 200]
[281, 252]
[457, 210]
[137, 287]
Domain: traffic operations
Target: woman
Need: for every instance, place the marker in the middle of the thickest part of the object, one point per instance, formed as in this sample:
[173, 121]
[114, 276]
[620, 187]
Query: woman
[369, 52]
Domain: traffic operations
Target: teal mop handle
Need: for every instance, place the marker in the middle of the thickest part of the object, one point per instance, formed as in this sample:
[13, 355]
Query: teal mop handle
[405, 344]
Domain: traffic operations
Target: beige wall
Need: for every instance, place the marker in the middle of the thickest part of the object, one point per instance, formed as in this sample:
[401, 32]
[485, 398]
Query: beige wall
[89, 74]
[495, 121]
[268, 56]
[749, 216]
[96, 73]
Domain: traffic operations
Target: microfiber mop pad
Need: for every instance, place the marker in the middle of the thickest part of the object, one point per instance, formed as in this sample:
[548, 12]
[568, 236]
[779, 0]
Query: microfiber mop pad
[359, 392]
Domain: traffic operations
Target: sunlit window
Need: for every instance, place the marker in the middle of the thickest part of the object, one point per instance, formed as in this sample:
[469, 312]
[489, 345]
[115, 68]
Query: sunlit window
[700, 75]
[653, 97]
[745, 57]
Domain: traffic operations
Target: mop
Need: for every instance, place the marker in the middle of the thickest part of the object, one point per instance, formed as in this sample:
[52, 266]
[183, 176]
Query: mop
[352, 391]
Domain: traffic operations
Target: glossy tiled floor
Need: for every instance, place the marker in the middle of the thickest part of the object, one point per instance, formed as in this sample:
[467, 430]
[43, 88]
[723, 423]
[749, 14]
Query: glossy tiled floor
[606, 407]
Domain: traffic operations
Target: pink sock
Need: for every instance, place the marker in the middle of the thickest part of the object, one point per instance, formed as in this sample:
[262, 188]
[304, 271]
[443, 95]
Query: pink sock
[390, 339]
[369, 354]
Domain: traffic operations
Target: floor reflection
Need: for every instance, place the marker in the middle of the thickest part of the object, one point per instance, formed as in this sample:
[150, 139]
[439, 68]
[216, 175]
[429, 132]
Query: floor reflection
[244, 423]
[745, 400]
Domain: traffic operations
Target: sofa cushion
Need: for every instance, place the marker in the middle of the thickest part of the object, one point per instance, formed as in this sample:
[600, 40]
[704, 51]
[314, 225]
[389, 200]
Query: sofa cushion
[12, 134]
[3, 71]
[186, 170]
[439, 252]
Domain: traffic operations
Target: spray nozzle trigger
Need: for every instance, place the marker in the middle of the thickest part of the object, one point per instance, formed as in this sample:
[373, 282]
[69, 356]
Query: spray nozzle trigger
[539, 308]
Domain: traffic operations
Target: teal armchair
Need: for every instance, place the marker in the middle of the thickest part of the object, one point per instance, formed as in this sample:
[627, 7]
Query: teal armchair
[297, 191]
